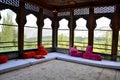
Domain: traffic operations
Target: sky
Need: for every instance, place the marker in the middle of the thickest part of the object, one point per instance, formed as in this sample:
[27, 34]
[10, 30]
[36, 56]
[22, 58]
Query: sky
[31, 21]
[81, 24]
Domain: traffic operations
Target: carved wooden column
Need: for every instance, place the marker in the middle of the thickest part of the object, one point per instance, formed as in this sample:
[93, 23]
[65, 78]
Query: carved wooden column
[21, 20]
[40, 24]
[91, 26]
[55, 25]
[115, 28]
[71, 27]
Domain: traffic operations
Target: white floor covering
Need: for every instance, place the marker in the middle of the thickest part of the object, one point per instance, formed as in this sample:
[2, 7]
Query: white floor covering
[20, 63]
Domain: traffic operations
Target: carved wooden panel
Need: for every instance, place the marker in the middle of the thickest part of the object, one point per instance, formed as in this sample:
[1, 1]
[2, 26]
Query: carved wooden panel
[11, 2]
[108, 9]
[31, 7]
[83, 11]
[47, 12]
[64, 14]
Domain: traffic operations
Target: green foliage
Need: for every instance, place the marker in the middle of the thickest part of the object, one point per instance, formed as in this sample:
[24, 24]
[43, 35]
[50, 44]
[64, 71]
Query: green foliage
[30, 43]
[62, 37]
[8, 33]
[79, 39]
[103, 44]
[63, 41]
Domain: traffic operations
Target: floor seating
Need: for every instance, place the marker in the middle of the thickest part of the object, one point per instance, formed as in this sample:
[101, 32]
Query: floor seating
[29, 54]
[74, 52]
[36, 54]
[89, 54]
[42, 50]
[20, 63]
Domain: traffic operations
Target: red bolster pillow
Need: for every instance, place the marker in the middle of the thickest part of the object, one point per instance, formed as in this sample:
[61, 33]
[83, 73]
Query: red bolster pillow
[39, 56]
[3, 59]
[29, 54]
[42, 50]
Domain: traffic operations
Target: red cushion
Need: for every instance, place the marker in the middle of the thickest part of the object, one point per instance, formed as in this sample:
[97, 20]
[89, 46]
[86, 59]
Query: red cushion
[96, 57]
[29, 54]
[3, 59]
[74, 52]
[87, 55]
[41, 47]
[92, 56]
[39, 56]
[42, 50]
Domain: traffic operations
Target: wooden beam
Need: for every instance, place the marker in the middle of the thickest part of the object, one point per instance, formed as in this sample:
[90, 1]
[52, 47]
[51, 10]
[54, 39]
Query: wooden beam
[40, 4]
[21, 20]
[90, 4]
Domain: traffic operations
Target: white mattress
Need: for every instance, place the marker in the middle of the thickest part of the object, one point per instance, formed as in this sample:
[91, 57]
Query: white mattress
[13, 64]
[20, 63]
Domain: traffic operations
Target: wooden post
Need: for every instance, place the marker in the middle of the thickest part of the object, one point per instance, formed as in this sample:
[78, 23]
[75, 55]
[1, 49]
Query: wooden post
[55, 25]
[115, 28]
[0, 15]
[21, 20]
[91, 26]
[71, 27]
[40, 24]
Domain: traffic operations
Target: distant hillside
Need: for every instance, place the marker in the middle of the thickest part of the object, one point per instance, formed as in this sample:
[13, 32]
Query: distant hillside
[44, 38]
[47, 38]
[31, 39]
[80, 38]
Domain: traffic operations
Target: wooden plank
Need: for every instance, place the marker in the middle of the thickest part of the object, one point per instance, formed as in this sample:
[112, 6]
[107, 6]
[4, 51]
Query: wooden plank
[118, 75]
[107, 74]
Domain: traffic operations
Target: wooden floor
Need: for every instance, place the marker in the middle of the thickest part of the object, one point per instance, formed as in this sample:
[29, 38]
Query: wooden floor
[65, 71]
[118, 75]
[109, 74]
[106, 70]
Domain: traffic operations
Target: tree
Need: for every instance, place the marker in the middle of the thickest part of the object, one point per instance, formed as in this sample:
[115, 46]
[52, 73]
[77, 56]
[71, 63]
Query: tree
[61, 37]
[8, 33]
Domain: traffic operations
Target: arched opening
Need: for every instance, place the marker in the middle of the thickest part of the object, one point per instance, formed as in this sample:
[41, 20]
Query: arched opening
[81, 34]
[47, 33]
[30, 32]
[8, 31]
[63, 34]
[103, 36]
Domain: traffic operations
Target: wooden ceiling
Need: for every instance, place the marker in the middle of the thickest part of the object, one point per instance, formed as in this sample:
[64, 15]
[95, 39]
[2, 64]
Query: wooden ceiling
[63, 4]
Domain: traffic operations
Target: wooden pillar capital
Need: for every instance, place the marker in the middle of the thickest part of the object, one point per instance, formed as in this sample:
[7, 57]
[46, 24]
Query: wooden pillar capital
[21, 14]
[19, 17]
[40, 21]
[55, 22]
[71, 24]
[115, 21]
[91, 24]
